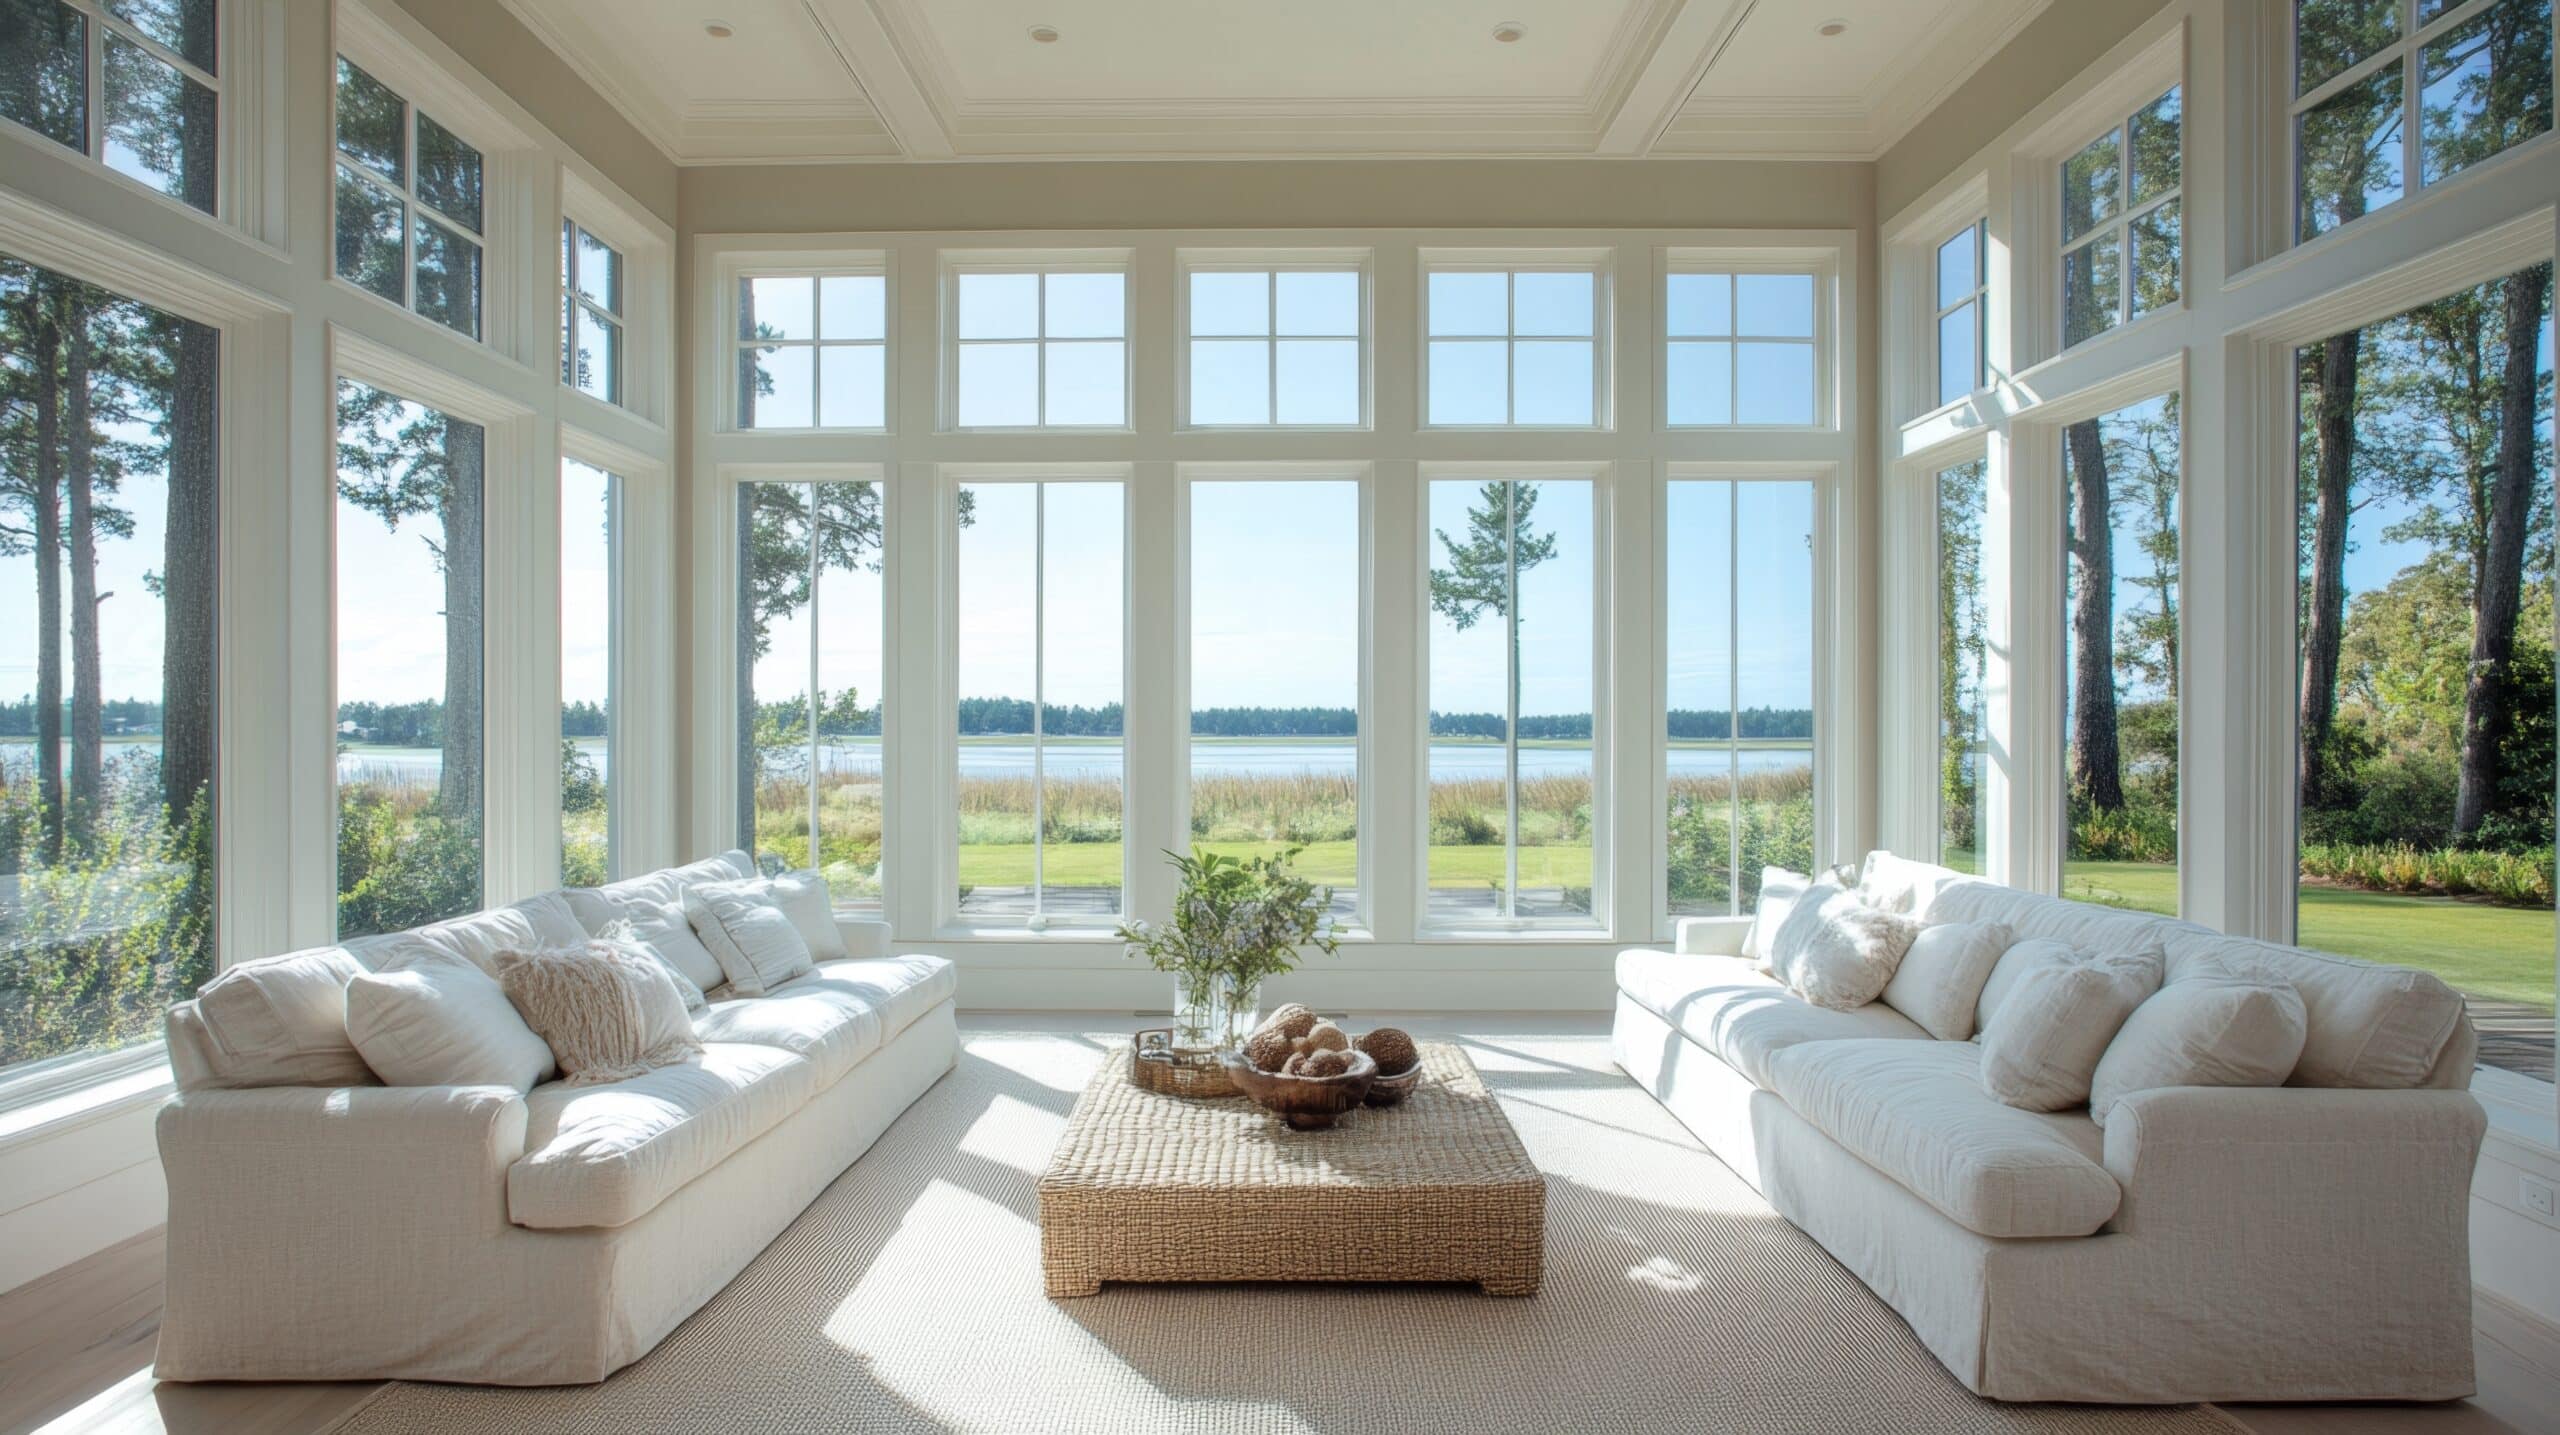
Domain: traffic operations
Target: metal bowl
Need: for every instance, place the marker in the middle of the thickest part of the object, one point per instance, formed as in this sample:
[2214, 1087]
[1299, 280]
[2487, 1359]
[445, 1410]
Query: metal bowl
[1307, 1103]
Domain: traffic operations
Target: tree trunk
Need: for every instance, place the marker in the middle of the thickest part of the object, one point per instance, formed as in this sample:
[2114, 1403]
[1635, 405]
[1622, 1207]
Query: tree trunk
[88, 736]
[2486, 720]
[46, 306]
[192, 545]
[198, 117]
[744, 683]
[2096, 765]
[459, 790]
[2324, 623]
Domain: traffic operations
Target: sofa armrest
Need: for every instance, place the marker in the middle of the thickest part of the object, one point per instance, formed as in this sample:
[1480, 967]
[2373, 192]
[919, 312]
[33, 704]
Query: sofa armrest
[279, 1155]
[864, 936]
[2365, 1165]
[1710, 936]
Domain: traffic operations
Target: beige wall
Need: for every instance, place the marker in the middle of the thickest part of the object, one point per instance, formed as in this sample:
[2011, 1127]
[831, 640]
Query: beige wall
[2066, 39]
[500, 47]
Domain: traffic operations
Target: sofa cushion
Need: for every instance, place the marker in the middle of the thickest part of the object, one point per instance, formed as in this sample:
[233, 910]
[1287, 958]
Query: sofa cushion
[532, 925]
[901, 989]
[1942, 975]
[2042, 1048]
[597, 907]
[1741, 1015]
[607, 1155]
[431, 1018]
[278, 1022]
[832, 1030]
[1916, 1111]
[2213, 1026]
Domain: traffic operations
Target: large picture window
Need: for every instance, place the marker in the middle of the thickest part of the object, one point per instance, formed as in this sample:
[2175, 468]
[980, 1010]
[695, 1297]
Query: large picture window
[410, 539]
[1042, 671]
[1738, 650]
[1513, 346]
[408, 204]
[810, 613]
[813, 351]
[1964, 618]
[108, 563]
[1511, 679]
[1277, 347]
[2120, 224]
[1041, 348]
[590, 660]
[134, 84]
[1741, 349]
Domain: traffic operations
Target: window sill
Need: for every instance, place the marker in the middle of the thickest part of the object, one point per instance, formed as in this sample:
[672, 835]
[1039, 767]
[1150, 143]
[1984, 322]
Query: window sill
[1060, 933]
[1556, 936]
[82, 1093]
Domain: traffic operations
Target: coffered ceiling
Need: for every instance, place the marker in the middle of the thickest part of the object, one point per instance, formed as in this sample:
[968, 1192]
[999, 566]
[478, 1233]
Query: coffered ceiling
[744, 81]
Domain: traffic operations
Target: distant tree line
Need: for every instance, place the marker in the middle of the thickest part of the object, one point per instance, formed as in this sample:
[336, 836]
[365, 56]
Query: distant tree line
[18, 719]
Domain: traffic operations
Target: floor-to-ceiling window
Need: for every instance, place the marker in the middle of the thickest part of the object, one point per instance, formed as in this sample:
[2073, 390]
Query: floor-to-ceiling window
[1963, 498]
[590, 657]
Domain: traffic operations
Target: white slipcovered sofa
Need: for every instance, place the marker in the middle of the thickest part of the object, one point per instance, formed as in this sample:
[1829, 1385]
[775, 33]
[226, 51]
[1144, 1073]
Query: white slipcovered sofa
[476, 1233]
[2301, 1242]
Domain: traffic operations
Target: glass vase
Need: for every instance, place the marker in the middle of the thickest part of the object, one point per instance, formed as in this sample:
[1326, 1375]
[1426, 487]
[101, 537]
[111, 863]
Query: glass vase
[1209, 1014]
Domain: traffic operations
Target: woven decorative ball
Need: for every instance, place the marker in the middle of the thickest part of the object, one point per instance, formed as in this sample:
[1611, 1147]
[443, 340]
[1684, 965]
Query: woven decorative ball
[1393, 1050]
[1290, 1019]
[1325, 1036]
[1327, 1063]
[1267, 1049]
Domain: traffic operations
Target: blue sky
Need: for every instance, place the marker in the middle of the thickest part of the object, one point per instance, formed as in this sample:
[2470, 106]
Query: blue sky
[1750, 540]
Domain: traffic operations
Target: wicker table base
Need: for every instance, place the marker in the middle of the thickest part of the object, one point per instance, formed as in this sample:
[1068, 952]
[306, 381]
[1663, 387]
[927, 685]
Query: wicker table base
[1146, 1187]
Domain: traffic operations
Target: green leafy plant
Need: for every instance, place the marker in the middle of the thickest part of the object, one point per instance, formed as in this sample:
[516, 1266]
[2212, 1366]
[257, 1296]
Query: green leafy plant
[1237, 922]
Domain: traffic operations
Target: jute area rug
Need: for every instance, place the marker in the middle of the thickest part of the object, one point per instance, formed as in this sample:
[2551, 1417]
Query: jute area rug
[908, 1299]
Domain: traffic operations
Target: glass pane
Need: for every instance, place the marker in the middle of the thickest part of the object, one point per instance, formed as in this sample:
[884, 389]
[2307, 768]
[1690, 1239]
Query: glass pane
[1230, 303]
[1469, 382]
[1230, 381]
[999, 306]
[599, 270]
[1702, 761]
[1467, 864]
[1776, 384]
[160, 124]
[1322, 303]
[1699, 304]
[595, 358]
[2425, 792]
[999, 386]
[369, 219]
[1698, 383]
[2155, 259]
[587, 661]
[372, 122]
[1319, 381]
[106, 866]
[1963, 631]
[448, 278]
[2487, 86]
[2348, 153]
[2090, 181]
[2155, 130]
[1087, 306]
[1464, 302]
[448, 174]
[1960, 265]
[1959, 356]
[1551, 381]
[777, 387]
[853, 386]
[2120, 656]
[1552, 558]
[1774, 306]
[1275, 675]
[776, 608]
[1081, 643]
[1086, 384]
[853, 306]
[1551, 303]
[2330, 36]
[1773, 678]
[410, 536]
[2092, 280]
[185, 26]
[998, 674]
[777, 306]
[851, 593]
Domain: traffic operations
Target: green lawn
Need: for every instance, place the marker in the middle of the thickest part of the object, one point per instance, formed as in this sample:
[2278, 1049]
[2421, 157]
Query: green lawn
[1097, 864]
[2502, 953]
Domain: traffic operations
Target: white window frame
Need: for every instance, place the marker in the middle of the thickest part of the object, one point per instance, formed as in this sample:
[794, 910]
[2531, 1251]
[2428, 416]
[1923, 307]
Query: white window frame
[414, 210]
[574, 302]
[1044, 263]
[1979, 296]
[1819, 265]
[2120, 224]
[624, 682]
[872, 265]
[1273, 263]
[1598, 263]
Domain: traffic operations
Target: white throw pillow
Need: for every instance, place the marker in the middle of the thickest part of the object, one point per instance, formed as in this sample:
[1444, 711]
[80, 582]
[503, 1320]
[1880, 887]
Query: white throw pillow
[2023, 956]
[283, 1021]
[664, 928]
[1795, 932]
[1941, 976]
[2043, 1044]
[1841, 953]
[758, 945]
[804, 898]
[437, 1019]
[1779, 889]
[622, 937]
[2213, 1026]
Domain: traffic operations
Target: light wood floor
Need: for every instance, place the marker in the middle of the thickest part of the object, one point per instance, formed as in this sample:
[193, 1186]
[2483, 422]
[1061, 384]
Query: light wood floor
[75, 1346]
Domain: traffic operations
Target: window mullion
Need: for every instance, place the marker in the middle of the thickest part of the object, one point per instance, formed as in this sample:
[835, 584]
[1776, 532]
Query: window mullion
[1040, 686]
[814, 501]
[1511, 700]
[1733, 694]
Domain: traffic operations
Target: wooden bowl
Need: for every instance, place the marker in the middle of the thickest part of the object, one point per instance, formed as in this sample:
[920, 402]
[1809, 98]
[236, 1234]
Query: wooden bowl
[1307, 1103]
[1392, 1090]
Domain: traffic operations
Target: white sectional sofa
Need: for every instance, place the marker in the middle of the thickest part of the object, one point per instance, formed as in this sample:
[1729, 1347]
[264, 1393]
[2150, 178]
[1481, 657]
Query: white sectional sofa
[337, 1229]
[2302, 1242]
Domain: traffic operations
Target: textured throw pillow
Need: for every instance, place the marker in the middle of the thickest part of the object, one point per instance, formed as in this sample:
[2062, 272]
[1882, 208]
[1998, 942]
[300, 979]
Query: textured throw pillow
[609, 1012]
[2043, 1044]
[804, 898]
[2213, 1026]
[1779, 889]
[758, 946]
[283, 1021]
[1795, 931]
[1848, 950]
[437, 1019]
[1941, 976]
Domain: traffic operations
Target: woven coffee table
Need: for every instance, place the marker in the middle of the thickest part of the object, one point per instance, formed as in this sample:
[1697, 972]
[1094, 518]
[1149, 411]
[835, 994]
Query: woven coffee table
[1145, 1187]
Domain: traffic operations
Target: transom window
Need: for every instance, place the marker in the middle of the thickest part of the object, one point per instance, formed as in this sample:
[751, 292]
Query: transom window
[1513, 346]
[1274, 346]
[2120, 236]
[1040, 348]
[1962, 298]
[590, 313]
[1741, 349]
[2393, 95]
[813, 351]
[409, 204]
[131, 82]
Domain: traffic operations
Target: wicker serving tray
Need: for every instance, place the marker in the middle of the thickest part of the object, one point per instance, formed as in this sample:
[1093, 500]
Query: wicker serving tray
[1156, 1065]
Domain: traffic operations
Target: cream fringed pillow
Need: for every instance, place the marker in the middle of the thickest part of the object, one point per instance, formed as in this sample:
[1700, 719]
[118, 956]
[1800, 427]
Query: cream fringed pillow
[1837, 952]
[609, 1014]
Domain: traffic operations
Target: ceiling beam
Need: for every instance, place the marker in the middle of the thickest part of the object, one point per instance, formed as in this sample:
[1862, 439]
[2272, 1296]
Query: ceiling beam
[862, 41]
[1690, 42]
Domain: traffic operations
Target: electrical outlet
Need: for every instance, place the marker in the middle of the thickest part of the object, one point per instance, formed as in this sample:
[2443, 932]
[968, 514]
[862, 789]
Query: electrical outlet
[2538, 1199]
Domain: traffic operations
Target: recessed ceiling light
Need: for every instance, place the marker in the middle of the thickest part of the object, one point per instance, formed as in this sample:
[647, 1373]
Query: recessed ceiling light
[1044, 34]
[1509, 32]
[1834, 27]
[718, 29]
